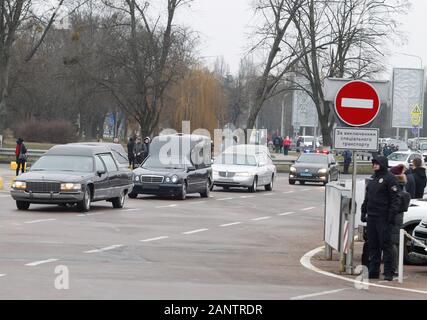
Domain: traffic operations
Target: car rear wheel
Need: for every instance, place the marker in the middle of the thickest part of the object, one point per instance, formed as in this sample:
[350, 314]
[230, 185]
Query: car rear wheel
[292, 182]
[254, 186]
[269, 187]
[133, 195]
[119, 202]
[206, 191]
[84, 205]
[22, 205]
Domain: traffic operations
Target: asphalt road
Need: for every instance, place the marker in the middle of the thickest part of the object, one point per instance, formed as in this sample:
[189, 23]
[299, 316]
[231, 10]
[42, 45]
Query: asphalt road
[234, 245]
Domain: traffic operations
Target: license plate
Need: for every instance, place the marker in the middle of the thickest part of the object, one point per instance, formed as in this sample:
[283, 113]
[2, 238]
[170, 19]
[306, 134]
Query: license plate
[306, 174]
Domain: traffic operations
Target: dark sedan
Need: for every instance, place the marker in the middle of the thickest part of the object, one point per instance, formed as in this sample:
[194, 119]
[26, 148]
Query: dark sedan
[175, 173]
[314, 167]
[73, 175]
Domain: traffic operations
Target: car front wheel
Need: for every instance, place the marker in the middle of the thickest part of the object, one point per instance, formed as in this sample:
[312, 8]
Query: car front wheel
[133, 195]
[84, 205]
[22, 205]
[254, 186]
[183, 193]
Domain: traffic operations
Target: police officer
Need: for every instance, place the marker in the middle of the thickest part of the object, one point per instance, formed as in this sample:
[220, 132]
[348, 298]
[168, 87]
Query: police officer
[379, 210]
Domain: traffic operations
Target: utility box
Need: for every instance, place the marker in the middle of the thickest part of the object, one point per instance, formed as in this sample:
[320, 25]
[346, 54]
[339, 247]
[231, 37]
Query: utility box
[337, 206]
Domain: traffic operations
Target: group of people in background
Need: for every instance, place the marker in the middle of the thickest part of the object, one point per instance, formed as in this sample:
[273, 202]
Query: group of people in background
[138, 150]
[281, 145]
[387, 150]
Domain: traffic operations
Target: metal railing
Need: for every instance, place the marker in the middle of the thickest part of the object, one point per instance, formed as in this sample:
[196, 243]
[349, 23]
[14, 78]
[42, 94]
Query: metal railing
[31, 152]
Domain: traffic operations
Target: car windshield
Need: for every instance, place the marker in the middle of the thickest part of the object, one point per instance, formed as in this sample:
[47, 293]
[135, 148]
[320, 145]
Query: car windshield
[398, 156]
[64, 163]
[236, 159]
[313, 158]
[167, 163]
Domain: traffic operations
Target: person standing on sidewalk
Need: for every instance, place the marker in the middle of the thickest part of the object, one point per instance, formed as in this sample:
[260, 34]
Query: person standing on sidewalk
[286, 145]
[21, 155]
[420, 177]
[404, 200]
[347, 160]
[378, 210]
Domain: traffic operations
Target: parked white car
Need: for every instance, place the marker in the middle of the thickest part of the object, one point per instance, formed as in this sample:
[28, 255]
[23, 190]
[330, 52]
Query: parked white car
[416, 213]
[404, 157]
[244, 166]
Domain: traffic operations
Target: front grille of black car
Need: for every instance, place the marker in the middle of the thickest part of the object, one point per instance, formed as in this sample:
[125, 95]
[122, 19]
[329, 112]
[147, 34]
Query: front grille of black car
[313, 171]
[227, 174]
[152, 179]
[421, 235]
[43, 187]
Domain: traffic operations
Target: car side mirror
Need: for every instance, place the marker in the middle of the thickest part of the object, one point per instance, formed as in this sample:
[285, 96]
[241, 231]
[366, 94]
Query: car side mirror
[101, 172]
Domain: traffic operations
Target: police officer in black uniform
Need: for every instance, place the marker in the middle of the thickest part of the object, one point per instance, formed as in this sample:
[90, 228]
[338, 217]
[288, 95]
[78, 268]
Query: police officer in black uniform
[378, 210]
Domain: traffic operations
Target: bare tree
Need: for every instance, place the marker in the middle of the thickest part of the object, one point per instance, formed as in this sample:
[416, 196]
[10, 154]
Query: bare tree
[13, 13]
[342, 39]
[155, 56]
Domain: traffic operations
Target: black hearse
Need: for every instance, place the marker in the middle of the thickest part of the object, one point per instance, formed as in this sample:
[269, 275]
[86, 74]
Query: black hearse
[177, 165]
[73, 175]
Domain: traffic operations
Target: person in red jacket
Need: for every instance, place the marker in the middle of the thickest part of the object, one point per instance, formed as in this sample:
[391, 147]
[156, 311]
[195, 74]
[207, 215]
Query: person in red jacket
[286, 145]
[21, 155]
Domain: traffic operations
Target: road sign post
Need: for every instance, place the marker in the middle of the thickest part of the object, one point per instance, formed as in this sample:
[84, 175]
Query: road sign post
[357, 104]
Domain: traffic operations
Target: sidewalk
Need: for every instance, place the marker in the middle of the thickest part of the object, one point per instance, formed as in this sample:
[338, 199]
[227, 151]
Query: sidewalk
[414, 277]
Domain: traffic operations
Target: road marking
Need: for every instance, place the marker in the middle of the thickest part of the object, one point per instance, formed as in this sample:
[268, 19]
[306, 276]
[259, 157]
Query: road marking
[230, 224]
[357, 103]
[288, 192]
[38, 221]
[307, 209]
[318, 294]
[169, 206]
[105, 249]
[306, 262]
[286, 214]
[37, 263]
[305, 190]
[91, 214]
[2, 275]
[154, 239]
[195, 231]
[224, 199]
[128, 210]
[262, 218]
[269, 194]
[198, 202]
[247, 197]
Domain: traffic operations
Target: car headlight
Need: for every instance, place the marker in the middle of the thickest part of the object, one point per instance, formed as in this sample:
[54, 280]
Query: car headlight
[323, 171]
[71, 187]
[243, 174]
[19, 185]
[174, 179]
[137, 178]
[293, 169]
[168, 180]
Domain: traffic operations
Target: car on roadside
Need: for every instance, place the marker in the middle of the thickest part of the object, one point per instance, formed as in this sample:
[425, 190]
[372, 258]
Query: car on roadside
[177, 165]
[416, 213]
[423, 150]
[244, 166]
[314, 167]
[405, 158]
[73, 175]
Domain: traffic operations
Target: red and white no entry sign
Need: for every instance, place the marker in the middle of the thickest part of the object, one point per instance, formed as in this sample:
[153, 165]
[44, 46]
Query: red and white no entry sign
[357, 103]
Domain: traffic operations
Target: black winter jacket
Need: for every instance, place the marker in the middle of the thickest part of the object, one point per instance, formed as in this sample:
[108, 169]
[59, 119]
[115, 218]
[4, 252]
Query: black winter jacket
[381, 198]
[410, 184]
[420, 182]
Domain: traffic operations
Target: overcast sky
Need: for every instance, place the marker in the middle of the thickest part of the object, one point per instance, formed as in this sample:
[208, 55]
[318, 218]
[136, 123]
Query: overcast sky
[224, 26]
